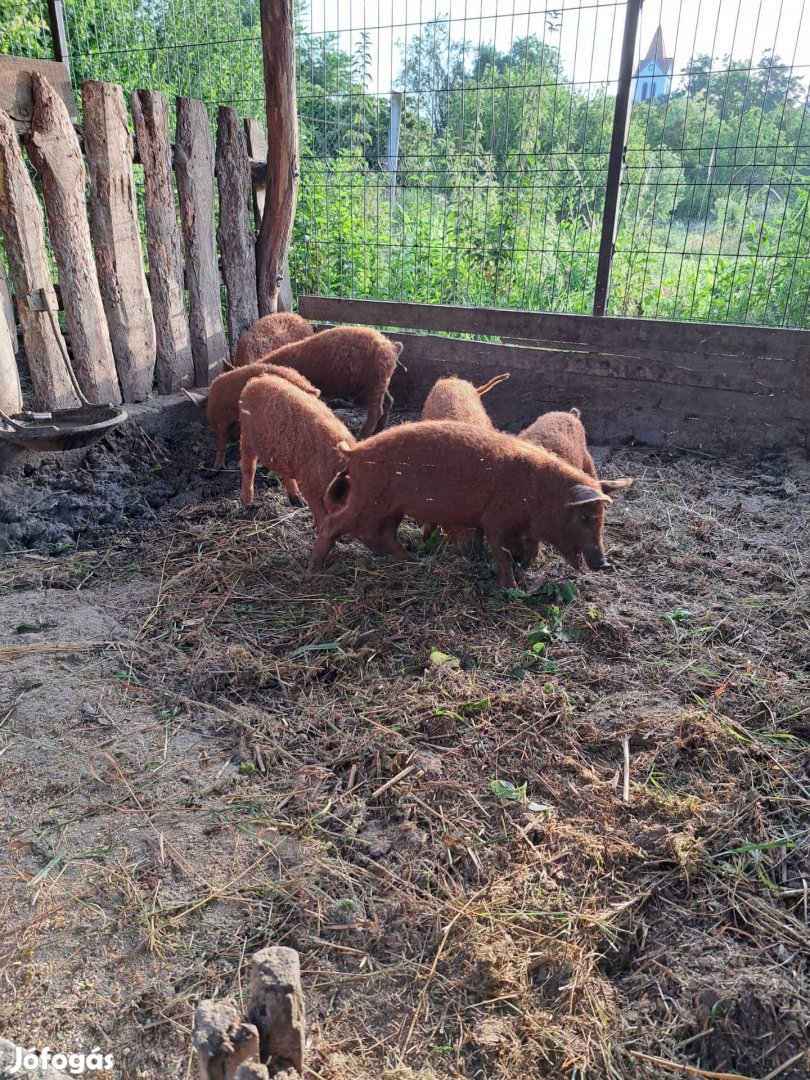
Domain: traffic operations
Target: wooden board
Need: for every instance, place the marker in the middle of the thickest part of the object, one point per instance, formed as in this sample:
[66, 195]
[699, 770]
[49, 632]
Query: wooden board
[10, 392]
[7, 306]
[174, 367]
[234, 234]
[16, 96]
[117, 239]
[23, 229]
[607, 333]
[619, 403]
[194, 166]
[54, 149]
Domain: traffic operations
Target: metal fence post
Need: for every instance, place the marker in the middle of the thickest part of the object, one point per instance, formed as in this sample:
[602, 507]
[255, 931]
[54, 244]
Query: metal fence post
[618, 143]
[56, 17]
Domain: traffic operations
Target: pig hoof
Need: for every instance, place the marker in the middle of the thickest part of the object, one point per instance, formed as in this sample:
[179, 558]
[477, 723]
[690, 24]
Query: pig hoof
[295, 500]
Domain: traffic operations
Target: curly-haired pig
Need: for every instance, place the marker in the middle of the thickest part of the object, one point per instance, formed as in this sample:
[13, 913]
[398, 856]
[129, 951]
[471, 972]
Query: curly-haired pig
[458, 400]
[294, 434]
[470, 478]
[348, 362]
[219, 402]
[268, 334]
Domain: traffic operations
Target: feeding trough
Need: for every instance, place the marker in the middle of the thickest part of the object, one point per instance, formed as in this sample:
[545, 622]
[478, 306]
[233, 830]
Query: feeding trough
[66, 429]
[62, 429]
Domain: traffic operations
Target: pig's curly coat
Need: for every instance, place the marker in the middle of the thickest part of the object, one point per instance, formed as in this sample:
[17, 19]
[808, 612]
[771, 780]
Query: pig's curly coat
[221, 405]
[563, 433]
[470, 478]
[294, 434]
[269, 333]
[348, 362]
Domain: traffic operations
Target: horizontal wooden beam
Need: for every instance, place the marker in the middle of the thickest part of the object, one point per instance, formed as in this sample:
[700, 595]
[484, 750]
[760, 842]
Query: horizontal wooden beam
[606, 332]
[16, 96]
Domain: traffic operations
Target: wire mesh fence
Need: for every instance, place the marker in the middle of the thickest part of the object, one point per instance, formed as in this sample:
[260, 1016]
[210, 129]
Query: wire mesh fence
[457, 151]
[24, 29]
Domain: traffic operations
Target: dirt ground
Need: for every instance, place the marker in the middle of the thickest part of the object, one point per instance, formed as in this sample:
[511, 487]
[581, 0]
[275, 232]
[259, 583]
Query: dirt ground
[196, 749]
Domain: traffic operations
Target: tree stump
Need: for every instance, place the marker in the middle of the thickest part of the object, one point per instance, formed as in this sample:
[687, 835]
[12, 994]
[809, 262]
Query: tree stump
[7, 304]
[235, 236]
[194, 166]
[55, 151]
[278, 49]
[117, 237]
[24, 235]
[222, 1041]
[175, 369]
[276, 1007]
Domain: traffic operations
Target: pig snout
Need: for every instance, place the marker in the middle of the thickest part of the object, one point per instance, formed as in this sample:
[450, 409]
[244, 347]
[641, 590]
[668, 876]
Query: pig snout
[596, 559]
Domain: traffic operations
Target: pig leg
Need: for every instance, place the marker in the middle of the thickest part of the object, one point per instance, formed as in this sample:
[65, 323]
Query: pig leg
[294, 496]
[331, 528]
[248, 464]
[388, 541]
[427, 532]
[470, 542]
[374, 420]
[222, 446]
[503, 559]
[388, 401]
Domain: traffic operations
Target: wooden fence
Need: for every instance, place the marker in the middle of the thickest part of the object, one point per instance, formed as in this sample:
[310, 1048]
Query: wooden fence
[128, 330]
[693, 385]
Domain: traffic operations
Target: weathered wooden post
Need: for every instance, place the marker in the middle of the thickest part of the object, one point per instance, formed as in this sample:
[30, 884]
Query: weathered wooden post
[278, 48]
[175, 368]
[55, 151]
[276, 1007]
[7, 304]
[10, 392]
[236, 239]
[117, 237]
[222, 1041]
[24, 234]
[194, 167]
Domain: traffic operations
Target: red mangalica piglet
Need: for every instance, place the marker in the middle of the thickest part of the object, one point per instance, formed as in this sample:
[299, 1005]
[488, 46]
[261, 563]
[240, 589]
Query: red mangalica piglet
[563, 433]
[470, 478]
[294, 434]
[269, 333]
[348, 362]
[458, 400]
[219, 402]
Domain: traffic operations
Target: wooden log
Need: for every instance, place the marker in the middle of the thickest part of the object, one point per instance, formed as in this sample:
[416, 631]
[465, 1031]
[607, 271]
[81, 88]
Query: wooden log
[235, 236]
[54, 149]
[24, 235]
[117, 239]
[174, 367]
[276, 1007]
[7, 305]
[194, 166]
[222, 1041]
[278, 49]
[16, 97]
[10, 391]
[257, 151]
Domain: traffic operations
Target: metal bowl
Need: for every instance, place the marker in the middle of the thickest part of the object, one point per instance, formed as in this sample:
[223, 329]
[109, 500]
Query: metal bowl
[65, 429]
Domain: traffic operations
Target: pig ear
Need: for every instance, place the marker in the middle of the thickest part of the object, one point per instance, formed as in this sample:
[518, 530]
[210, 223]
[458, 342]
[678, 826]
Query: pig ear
[199, 397]
[227, 365]
[580, 494]
[397, 346]
[609, 486]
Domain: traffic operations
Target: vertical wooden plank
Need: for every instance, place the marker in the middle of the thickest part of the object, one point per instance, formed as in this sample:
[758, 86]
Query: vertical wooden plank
[55, 151]
[24, 234]
[174, 367]
[278, 49]
[10, 392]
[117, 238]
[194, 166]
[7, 305]
[235, 236]
[257, 152]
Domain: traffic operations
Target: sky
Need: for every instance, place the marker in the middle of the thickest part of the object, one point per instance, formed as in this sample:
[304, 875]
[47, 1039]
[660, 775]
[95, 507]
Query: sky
[587, 32]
